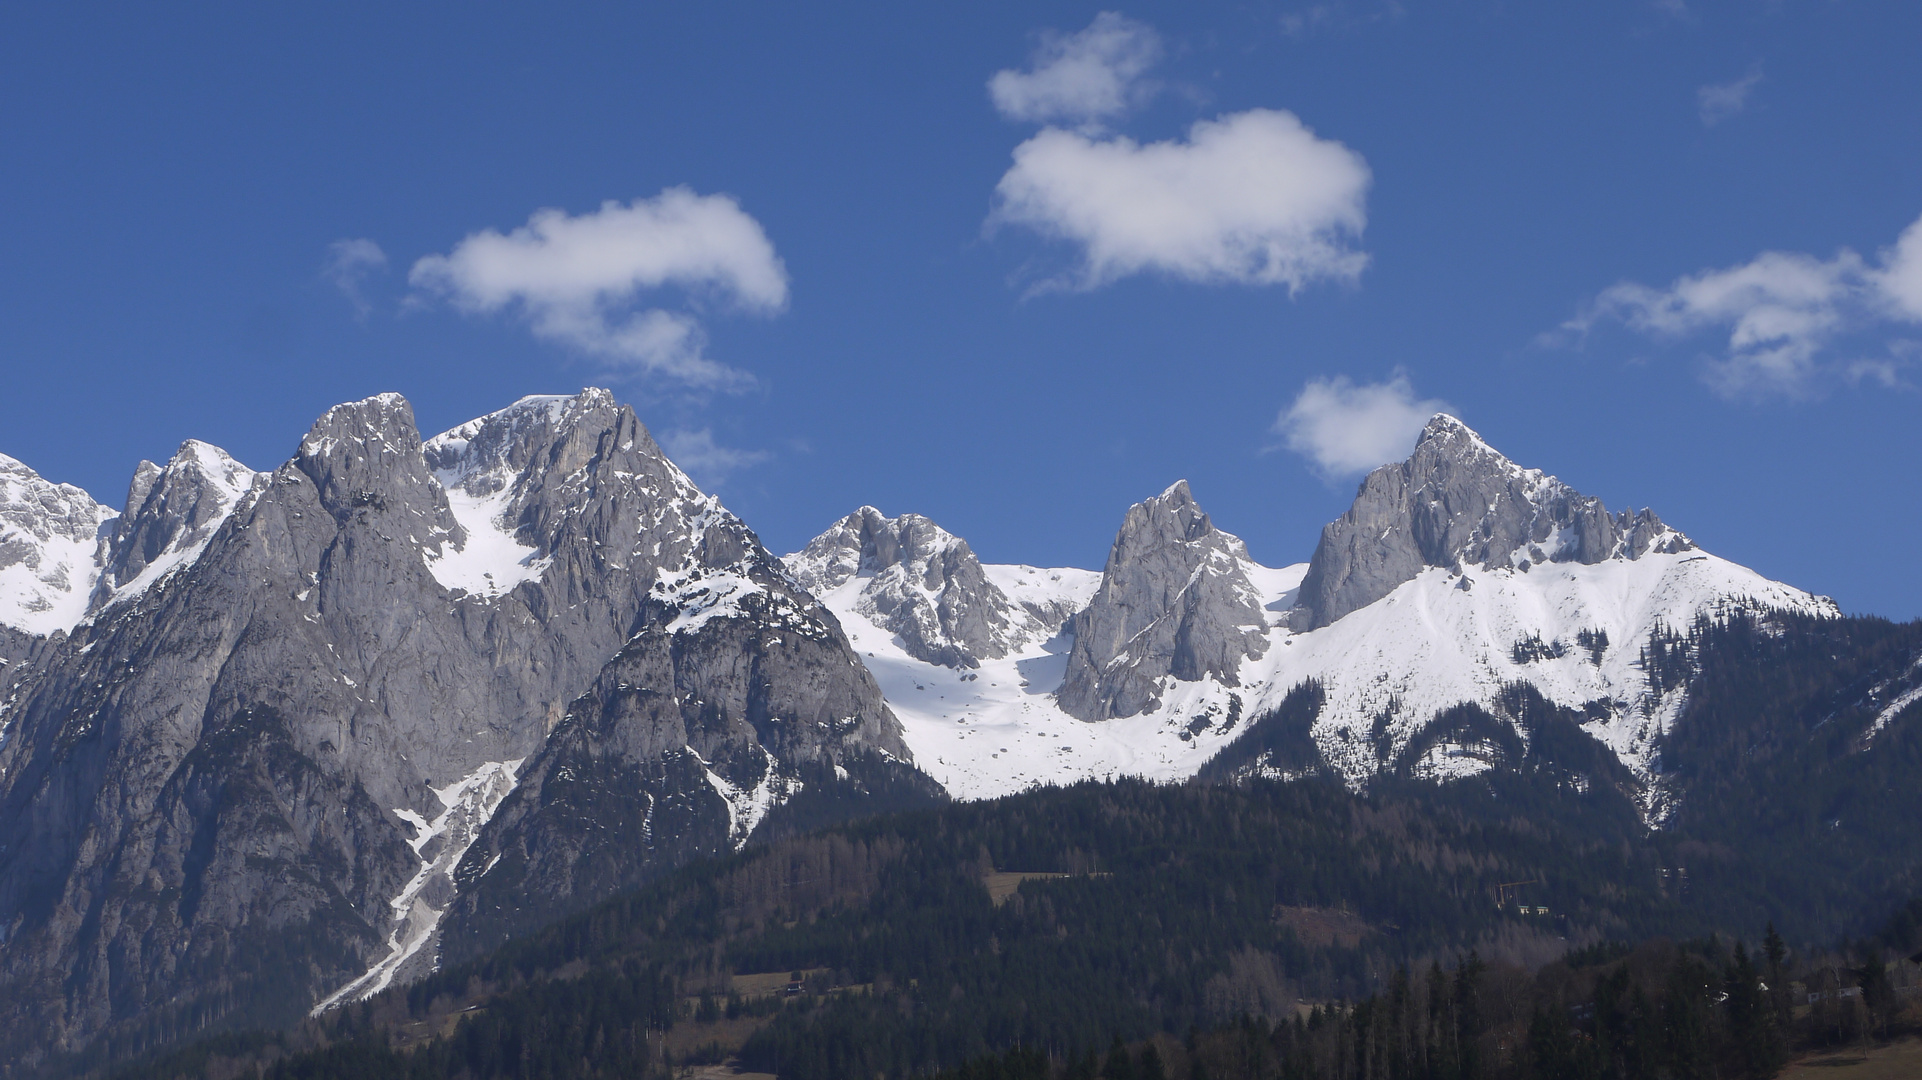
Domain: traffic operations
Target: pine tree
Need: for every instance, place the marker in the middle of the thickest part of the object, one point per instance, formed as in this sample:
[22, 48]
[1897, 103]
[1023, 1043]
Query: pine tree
[1119, 1066]
[1148, 1066]
[1751, 1019]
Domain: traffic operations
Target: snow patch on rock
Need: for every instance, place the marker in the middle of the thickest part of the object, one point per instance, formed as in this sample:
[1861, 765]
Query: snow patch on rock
[466, 806]
[748, 807]
[49, 540]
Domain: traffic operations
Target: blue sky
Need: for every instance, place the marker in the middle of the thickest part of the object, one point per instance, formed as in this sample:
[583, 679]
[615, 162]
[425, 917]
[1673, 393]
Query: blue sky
[839, 270]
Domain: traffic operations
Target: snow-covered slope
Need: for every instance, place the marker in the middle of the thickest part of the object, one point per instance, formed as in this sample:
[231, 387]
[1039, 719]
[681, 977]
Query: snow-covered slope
[49, 534]
[65, 557]
[475, 466]
[995, 728]
[924, 585]
[1544, 588]
[1427, 646]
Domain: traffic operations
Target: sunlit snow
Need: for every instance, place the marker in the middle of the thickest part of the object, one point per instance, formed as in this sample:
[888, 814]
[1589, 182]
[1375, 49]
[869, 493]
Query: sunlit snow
[491, 559]
[1425, 647]
[49, 535]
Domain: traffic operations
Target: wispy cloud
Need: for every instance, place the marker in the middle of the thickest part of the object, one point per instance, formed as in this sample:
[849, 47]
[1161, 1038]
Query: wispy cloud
[1340, 15]
[1345, 429]
[348, 264]
[708, 462]
[1784, 313]
[1084, 78]
[1722, 101]
[1252, 198]
[580, 279]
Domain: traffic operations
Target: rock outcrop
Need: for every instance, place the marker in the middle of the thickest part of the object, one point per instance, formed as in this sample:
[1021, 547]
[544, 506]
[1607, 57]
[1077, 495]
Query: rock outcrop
[1458, 502]
[1175, 603]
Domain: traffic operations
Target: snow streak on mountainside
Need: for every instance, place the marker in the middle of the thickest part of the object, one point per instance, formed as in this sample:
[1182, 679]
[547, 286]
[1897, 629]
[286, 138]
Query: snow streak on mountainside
[1478, 575]
[469, 804]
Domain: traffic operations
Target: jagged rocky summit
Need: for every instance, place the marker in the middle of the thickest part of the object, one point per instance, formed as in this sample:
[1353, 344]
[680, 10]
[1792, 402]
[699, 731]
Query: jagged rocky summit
[271, 734]
[924, 584]
[1175, 603]
[1463, 606]
[1454, 503]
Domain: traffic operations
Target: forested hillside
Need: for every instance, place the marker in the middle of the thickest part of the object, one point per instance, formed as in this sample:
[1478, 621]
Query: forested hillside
[1178, 906]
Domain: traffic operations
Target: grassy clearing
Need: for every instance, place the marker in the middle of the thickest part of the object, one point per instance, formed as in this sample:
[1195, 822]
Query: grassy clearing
[1899, 1060]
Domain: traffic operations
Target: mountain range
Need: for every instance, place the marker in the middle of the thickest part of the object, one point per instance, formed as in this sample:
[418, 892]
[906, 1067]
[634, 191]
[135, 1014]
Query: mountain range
[275, 741]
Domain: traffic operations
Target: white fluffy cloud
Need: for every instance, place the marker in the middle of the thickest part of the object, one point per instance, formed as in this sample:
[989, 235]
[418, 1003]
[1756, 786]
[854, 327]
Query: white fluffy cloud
[1253, 198]
[1900, 279]
[1721, 101]
[350, 261]
[1347, 429]
[1082, 78]
[579, 279]
[708, 462]
[1783, 312]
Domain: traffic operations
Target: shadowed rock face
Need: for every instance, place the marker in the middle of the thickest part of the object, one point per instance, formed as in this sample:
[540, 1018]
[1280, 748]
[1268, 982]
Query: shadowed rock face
[205, 787]
[1456, 501]
[1175, 602]
[687, 741]
[923, 584]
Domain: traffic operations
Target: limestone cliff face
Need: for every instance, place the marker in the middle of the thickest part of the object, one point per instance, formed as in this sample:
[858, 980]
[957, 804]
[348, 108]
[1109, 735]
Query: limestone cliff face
[1175, 603]
[213, 786]
[1457, 501]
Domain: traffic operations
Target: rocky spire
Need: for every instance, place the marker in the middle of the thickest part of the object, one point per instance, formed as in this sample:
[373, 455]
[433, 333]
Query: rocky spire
[1456, 502]
[1175, 601]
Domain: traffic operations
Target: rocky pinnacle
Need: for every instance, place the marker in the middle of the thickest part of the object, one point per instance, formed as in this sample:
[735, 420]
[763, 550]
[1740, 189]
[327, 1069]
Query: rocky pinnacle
[1175, 603]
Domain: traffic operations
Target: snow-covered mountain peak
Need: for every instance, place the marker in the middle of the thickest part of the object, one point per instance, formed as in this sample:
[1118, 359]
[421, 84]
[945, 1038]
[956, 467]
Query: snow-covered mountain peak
[383, 421]
[487, 450]
[532, 483]
[48, 537]
[1458, 502]
[840, 553]
[916, 580]
[172, 512]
